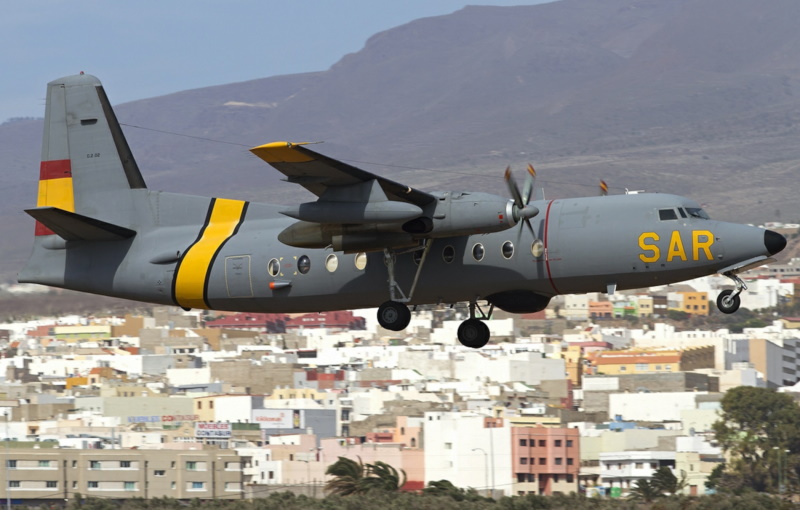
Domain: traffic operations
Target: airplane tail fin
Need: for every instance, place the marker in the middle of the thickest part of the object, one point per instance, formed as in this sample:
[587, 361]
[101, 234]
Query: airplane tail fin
[87, 167]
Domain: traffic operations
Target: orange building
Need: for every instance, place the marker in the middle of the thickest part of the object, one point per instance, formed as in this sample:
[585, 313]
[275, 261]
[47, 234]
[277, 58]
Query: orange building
[695, 303]
[545, 460]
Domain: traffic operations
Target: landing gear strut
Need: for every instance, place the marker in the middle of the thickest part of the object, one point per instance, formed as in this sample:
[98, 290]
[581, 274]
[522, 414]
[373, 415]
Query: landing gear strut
[474, 332]
[728, 301]
[394, 314]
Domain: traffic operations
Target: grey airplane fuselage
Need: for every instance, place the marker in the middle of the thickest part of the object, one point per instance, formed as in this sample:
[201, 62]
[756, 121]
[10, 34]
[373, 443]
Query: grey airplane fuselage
[589, 244]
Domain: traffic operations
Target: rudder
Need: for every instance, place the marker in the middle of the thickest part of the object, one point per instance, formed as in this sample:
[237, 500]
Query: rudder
[86, 166]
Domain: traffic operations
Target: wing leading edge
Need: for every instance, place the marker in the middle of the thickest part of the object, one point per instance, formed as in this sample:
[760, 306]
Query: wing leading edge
[318, 173]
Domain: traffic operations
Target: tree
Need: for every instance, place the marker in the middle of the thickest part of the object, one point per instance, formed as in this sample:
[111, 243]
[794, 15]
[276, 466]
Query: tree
[382, 476]
[347, 477]
[643, 491]
[756, 429]
[665, 481]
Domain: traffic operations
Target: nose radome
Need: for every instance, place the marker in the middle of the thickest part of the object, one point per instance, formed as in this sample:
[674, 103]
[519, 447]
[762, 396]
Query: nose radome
[774, 242]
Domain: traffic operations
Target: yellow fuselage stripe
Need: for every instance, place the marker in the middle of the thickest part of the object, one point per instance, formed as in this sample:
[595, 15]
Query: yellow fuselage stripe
[194, 267]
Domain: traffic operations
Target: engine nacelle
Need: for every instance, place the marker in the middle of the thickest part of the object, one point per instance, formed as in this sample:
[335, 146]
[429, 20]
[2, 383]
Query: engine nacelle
[519, 301]
[456, 214]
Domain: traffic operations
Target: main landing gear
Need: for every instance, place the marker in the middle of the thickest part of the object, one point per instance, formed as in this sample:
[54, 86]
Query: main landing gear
[394, 314]
[728, 301]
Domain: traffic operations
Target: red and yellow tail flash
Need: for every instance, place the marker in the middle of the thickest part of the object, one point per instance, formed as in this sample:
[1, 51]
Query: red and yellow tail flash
[55, 189]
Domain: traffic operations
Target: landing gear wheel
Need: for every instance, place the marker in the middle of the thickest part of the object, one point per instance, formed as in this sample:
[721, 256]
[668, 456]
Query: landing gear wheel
[473, 333]
[394, 316]
[728, 303]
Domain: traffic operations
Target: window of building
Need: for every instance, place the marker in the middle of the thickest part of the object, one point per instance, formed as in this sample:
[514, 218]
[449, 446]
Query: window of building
[159, 472]
[172, 485]
[555, 478]
[642, 367]
[94, 464]
[623, 369]
[638, 465]
[272, 475]
[523, 442]
[199, 405]
[211, 405]
[191, 465]
[448, 446]
[570, 478]
[570, 460]
[542, 442]
[523, 460]
[198, 486]
[569, 443]
[11, 464]
[13, 484]
[542, 461]
[92, 485]
[558, 442]
[559, 461]
[521, 477]
[44, 463]
[51, 484]
[130, 486]
[125, 464]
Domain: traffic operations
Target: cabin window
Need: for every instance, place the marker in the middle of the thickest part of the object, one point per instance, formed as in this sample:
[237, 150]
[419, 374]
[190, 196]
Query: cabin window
[360, 261]
[478, 252]
[537, 248]
[682, 211]
[448, 254]
[303, 264]
[508, 249]
[274, 267]
[331, 262]
[667, 214]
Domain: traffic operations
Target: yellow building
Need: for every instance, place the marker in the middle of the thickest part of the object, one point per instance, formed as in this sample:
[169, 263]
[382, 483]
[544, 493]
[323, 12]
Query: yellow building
[695, 303]
[649, 362]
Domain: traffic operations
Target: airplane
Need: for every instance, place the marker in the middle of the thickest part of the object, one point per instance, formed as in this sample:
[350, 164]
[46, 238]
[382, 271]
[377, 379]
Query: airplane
[365, 241]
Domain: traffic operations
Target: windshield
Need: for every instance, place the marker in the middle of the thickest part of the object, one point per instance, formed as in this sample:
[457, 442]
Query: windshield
[696, 212]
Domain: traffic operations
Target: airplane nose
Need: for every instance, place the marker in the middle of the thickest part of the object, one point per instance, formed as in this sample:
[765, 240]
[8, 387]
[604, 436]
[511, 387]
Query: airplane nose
[774, 242]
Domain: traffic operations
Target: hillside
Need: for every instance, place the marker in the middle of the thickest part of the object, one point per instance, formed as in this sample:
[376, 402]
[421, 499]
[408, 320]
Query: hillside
[695, 97]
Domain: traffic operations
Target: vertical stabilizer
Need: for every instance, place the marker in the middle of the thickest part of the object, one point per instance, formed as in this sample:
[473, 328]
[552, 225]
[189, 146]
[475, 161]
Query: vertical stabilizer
[87, 166]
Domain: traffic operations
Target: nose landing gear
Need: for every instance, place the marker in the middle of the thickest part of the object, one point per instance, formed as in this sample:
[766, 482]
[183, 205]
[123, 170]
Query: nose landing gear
[728, 301]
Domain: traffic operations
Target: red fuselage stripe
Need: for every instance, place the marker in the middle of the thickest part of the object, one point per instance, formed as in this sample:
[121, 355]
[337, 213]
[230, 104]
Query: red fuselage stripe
[546, 245]
[57, 169]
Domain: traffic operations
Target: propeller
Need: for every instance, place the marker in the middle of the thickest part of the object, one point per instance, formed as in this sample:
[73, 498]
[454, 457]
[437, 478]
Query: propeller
[522, 211]
[603, 188]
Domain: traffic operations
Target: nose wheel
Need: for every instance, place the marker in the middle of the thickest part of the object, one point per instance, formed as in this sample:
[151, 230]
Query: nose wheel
[728, 301]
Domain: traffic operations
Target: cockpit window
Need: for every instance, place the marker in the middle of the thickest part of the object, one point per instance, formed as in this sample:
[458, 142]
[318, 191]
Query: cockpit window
[667, 214]
[682, 211]
[696, 212]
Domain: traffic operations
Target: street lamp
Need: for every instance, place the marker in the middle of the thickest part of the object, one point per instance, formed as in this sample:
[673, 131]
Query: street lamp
[485, 467]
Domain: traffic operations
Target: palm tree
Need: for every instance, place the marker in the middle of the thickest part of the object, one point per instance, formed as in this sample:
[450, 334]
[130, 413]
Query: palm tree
[348, 476]
[643, 491]
[383, 477]
[664, 480]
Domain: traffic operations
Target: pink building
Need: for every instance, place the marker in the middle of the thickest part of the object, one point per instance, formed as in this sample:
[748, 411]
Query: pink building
[545, 460]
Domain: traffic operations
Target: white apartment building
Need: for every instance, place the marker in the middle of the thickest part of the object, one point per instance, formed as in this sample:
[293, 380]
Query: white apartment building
[623, 469]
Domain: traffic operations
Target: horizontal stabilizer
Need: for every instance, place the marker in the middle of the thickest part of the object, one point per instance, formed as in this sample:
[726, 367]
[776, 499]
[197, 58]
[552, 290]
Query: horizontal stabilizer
[76, 227]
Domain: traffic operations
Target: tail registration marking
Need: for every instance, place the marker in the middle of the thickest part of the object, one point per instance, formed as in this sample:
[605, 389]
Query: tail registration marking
[190, 286]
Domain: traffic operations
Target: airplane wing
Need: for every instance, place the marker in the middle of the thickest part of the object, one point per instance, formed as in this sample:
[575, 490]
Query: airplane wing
[318, 173]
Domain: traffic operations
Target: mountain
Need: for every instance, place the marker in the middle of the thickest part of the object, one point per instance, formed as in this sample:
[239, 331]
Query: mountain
[694, 97]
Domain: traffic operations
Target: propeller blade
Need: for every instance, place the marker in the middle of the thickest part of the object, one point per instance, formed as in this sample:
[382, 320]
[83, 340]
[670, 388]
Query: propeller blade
[603, 188]
[528, 188]
[513, 189]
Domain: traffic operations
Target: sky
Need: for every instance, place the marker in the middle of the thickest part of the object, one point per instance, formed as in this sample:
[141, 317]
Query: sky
[147, 48]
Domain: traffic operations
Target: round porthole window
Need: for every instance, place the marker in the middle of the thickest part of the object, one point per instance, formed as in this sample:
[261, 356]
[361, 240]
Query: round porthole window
[478, 252]
[303, 264]
[537, 248]
[274, 267]
[331, 262]
[360, 261]
[448, 254]
[508, 249]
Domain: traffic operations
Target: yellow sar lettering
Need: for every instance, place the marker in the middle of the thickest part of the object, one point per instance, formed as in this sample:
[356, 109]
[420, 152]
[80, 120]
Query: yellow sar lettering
[702, 240]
